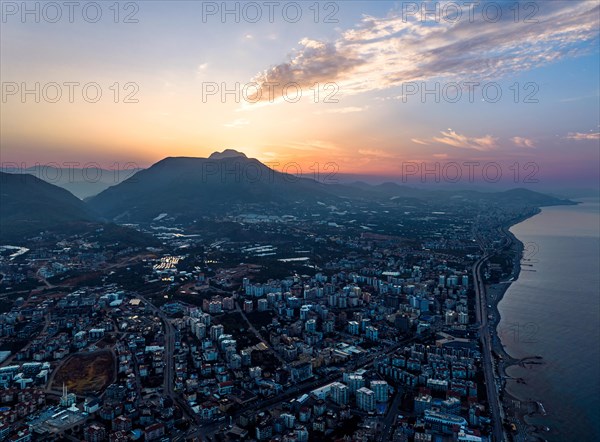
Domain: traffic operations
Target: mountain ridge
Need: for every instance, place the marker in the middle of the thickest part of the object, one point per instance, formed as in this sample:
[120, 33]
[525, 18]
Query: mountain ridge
[225, 182]
[194, 186]
[29, 205]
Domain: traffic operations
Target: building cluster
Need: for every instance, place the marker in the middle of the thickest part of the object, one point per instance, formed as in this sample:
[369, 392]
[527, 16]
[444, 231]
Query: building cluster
[379, 339]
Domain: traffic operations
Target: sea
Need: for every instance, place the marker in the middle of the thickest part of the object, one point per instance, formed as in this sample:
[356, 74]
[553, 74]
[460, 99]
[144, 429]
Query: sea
[553, 310]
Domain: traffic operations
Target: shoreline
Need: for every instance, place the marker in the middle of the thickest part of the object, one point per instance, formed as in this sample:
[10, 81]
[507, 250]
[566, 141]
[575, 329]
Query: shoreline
[515, 410]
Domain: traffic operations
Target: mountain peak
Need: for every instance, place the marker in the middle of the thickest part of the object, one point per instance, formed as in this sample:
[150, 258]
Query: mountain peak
[227, 153]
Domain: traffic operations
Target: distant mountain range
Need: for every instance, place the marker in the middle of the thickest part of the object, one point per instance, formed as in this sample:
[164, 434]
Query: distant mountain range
[225, 182]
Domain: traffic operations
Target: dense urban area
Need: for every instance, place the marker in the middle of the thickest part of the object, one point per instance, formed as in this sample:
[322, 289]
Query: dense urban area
[369, 321]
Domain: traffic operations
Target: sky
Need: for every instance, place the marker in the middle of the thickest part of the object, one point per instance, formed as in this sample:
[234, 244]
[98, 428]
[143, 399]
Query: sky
[390, 89]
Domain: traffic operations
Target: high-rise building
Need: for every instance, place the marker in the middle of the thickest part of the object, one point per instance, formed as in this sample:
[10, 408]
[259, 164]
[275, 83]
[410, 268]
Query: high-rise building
[380, 388]
[216, 331]
[339, 393]
[235, 362]
[372, 333]
[301, 434]
[263, 305]
[289, 420]
[310, 326]
[246, 355]
[353, 328]
[365, 399]
[304, 311]
[215, 307]
[355, 382]
[450, 317]
[228, 303]
[465, 280]
[364, 323]
[422, 402]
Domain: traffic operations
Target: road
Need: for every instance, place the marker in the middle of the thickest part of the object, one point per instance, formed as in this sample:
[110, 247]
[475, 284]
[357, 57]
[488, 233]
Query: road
[258, 335]
[169, 346]
[481, 314]
[168, 389]
[388, 421]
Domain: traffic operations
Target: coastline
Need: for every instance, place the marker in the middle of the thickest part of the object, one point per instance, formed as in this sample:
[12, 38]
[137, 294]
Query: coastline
[515, 410]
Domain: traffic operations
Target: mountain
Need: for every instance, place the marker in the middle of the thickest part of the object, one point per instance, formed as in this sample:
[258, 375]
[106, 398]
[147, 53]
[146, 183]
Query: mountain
[227, 153]
[229, 182]
[81, 182]
[187, 187]
[389, 190]
[29, 205]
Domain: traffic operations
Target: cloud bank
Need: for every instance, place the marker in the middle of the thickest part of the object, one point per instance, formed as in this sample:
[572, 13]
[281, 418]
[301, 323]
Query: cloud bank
[381, 53]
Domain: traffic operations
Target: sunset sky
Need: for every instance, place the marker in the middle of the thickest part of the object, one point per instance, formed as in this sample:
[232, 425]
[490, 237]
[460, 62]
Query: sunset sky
[373, 56]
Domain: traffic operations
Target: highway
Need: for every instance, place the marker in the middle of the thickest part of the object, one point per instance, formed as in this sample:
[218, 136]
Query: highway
[481, 314]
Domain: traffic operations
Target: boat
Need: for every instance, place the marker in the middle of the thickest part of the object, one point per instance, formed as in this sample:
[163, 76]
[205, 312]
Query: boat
[541, 408]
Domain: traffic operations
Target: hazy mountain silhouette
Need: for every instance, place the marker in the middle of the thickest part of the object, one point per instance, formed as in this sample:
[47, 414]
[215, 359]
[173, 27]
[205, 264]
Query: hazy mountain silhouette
[228, 181]
[29, 205]
[83, 183]
[192, 187]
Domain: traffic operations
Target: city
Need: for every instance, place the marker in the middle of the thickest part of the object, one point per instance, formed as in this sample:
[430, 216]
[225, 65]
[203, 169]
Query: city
[298, 221]
[303, 326]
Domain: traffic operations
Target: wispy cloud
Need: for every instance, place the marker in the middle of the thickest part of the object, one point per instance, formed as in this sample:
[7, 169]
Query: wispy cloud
[417, 141]
[380, 53]
[313, 145]
[376, 153]
[343, 110]
[582, 136]
[454, 139]
[237, 123]
[523, 142]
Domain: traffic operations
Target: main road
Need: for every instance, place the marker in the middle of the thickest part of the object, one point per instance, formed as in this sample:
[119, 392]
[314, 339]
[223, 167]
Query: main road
[169, 374]
[481, 314]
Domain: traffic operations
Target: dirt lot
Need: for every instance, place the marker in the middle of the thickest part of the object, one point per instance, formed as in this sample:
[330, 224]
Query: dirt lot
[86, 373]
